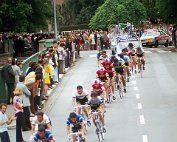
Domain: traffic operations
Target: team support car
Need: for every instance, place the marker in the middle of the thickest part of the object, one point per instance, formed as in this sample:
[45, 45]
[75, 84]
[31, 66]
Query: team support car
[154, 37]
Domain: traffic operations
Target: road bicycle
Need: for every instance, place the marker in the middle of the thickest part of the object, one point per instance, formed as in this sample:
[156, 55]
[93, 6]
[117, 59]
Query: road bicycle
[76, 137]
[121, 86]
[140, 62]
[99, 127]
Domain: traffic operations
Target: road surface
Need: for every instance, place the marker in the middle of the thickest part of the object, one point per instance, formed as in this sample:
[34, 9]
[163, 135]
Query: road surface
[148, 112]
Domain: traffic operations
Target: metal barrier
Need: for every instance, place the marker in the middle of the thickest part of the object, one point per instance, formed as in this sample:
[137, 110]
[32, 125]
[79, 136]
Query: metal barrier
[34, 58]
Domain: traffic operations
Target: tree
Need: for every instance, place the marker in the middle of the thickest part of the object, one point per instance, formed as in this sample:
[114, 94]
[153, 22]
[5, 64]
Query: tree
[114, 11]
[24, 15]
[167, 10]
[81, 11]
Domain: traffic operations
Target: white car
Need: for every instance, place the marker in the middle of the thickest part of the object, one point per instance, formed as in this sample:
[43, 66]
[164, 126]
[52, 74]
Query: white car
[154, 37]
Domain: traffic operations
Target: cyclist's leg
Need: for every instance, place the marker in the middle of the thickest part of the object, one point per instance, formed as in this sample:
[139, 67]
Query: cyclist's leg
[93, 118]
[100, 113]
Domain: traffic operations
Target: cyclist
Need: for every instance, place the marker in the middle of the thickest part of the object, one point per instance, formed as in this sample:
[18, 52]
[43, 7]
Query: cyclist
[80, 97]
[132, 55]
[109, 68]
[98, 88]
[103, 76]
[140, 54]
[43, 135]
[126, 59]
[119, 67]
[40, 118]
[97, 105]
[76, 124]
[103, 57]
[98, 57]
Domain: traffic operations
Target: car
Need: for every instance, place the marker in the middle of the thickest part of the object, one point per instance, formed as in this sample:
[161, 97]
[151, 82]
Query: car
[154, 38]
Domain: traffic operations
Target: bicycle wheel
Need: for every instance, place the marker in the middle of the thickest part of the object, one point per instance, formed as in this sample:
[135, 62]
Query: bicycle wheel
[102, 135]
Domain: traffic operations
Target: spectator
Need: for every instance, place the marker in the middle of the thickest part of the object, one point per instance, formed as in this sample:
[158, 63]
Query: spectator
[18, 108]
[4, 121]
[55, 60]
[48, 75]
[26, 125]
[9, 78]
[37, 90]
[16, 70]
[29, 69]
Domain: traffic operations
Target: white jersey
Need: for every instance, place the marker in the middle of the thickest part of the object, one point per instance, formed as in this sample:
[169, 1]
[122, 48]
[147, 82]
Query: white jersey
[80, 96]
[35, 122]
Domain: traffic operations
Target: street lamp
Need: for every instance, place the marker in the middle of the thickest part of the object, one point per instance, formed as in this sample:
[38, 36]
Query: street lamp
[55, 18]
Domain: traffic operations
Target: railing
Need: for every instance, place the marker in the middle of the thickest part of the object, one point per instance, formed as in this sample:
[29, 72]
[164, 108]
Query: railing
[34, 58]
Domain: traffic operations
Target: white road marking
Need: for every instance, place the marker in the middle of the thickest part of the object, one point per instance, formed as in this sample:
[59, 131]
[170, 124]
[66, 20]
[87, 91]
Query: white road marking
[135, 88]
[145, 138]
[138, 96]
[148, 51]
[92, 56]
[142, 120]
[134, 82]
[139, 106]
[163, 51]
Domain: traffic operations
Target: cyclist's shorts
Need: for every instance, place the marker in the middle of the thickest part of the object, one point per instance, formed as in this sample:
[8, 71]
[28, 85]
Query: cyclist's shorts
[140, 55]
[127, 64]
[119, 70]
[76, 129]
[82, 101]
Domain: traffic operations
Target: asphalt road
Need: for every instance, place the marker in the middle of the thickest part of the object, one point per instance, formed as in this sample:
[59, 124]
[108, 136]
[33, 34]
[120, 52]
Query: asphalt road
[148, 112]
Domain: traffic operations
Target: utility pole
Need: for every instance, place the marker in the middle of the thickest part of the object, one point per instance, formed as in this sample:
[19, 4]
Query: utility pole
[55, 19]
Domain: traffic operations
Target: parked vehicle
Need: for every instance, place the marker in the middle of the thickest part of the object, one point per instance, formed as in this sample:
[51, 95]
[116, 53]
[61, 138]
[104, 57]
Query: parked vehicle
[154, 38]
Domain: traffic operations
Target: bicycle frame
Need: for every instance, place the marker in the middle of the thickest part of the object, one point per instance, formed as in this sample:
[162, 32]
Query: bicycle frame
[78, 137]
[99, 126]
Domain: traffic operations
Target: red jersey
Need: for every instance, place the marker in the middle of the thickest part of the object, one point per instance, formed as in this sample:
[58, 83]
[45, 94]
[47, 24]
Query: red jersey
[109, 70]
[102, 75]
[97, 87]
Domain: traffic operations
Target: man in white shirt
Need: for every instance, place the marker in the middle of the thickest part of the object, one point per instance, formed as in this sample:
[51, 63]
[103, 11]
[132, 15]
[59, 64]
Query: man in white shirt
[40, 118]
[4, 121]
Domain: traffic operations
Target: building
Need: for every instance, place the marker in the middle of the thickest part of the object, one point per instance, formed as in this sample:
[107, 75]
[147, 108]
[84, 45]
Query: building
[60, 2]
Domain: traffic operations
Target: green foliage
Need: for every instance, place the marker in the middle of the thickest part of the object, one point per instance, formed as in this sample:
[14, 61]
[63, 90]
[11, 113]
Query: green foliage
[167, 10]
[118, 11]
[24, 15]
[81, 11]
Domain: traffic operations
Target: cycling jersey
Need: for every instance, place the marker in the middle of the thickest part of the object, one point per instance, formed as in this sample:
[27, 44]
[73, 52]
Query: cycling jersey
[81, 98]
[95, 104]
[102, 75]
[109, 70]
[45, 121]
[126, 59]
[47, 137]
[119, 67]
[76, 126]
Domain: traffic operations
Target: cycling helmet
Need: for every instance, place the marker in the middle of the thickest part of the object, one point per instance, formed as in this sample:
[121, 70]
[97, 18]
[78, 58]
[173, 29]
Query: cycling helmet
[72, 115]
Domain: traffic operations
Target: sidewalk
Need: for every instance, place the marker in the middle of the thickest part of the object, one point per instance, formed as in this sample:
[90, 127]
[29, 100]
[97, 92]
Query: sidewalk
[10, 110]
